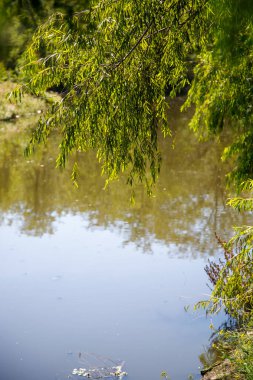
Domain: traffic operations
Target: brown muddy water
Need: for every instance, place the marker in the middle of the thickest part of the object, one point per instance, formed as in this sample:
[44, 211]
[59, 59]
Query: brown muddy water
[83, 271]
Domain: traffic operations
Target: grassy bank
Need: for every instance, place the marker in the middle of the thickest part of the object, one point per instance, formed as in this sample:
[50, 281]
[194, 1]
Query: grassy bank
[16, 115]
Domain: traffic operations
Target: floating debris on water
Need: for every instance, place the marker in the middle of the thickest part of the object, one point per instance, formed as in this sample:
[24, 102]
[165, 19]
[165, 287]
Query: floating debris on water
[99, 367]
[100, 373]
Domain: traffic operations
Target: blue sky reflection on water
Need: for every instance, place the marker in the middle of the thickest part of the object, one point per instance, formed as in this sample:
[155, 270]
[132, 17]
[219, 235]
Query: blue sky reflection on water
[82, 290]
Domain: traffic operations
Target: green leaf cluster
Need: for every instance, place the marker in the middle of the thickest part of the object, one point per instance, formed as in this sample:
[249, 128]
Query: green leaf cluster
[222, 90]
[116, 64]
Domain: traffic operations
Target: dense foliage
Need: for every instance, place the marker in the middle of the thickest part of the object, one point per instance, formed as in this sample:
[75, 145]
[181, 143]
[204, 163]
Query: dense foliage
[118, 61]
[19, 19]
[223, 85]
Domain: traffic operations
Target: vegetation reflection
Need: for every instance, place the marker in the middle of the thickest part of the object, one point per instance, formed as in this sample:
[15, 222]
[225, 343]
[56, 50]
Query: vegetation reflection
[189, 197]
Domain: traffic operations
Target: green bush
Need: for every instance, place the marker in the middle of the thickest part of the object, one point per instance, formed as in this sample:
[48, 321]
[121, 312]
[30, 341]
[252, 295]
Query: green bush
[232, 280]
[232, 276]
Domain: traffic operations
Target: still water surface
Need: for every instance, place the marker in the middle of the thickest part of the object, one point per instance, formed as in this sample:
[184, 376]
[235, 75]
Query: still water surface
[84, 271]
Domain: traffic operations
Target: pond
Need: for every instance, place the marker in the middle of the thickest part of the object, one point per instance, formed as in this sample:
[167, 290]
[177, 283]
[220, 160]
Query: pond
[84, 271]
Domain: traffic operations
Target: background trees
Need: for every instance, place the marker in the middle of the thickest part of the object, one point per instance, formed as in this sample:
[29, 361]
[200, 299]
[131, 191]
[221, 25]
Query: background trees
[19, 19]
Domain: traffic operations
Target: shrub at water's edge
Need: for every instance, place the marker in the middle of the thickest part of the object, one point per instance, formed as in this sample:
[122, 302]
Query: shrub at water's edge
[232, 280]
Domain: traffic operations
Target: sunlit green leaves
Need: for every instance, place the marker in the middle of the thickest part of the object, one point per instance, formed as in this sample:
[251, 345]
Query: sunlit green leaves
[116, 64]
[222, 89]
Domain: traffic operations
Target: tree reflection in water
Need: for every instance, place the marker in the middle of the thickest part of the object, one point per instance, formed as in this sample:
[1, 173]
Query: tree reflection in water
[187, 208]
